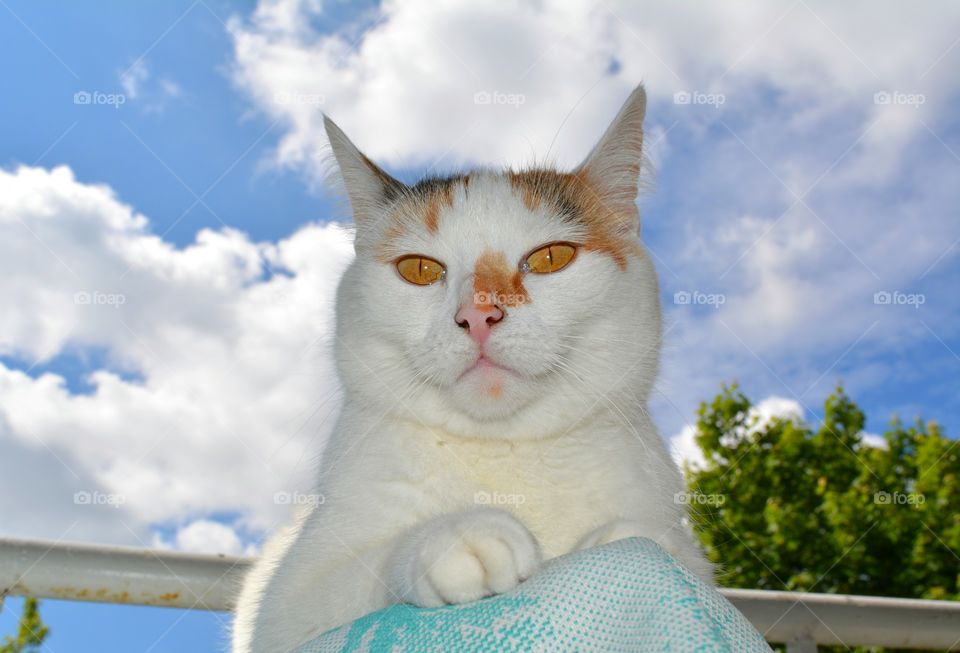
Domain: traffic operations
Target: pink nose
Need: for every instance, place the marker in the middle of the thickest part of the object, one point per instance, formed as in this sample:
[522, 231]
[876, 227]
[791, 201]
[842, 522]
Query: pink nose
[478, 320]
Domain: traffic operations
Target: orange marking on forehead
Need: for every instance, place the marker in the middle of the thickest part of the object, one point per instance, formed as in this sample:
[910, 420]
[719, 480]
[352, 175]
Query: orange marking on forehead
[422, 202]
[496, 282]
[526, 184]
[434, 203]
[574, 197]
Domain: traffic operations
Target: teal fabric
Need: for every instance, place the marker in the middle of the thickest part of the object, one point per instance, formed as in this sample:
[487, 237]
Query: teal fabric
[628, 596]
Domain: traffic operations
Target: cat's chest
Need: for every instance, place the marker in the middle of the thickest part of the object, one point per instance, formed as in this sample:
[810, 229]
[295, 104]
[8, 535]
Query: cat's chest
[558, 489]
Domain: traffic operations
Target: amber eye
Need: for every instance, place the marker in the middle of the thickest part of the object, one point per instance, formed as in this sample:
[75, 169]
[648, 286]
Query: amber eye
[420, 270]
[550, 258]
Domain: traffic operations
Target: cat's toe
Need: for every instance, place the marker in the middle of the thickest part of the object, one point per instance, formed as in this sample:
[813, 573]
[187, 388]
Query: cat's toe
[470, 558]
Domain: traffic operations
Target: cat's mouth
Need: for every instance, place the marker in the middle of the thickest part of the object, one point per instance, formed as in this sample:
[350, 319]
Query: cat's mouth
[485, 365]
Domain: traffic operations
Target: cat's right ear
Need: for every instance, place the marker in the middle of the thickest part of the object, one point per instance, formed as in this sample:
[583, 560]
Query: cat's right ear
[369, 188]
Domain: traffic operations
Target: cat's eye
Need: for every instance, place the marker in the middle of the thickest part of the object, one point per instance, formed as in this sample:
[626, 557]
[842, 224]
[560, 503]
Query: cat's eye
[420, 270]
[550, 258]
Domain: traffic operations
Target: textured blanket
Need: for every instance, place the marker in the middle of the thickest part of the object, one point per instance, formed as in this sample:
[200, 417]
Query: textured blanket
[628, 596]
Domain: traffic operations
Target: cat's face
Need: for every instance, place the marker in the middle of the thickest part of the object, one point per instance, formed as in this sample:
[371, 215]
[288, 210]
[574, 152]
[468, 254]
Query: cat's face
[500, 303]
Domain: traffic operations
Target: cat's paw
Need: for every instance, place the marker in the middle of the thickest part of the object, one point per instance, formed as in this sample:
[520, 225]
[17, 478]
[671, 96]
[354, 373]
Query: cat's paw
[617, 529]
[463, 557]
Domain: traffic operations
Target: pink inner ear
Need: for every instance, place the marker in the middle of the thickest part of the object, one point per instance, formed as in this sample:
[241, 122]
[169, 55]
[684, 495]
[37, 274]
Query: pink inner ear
[613, 166]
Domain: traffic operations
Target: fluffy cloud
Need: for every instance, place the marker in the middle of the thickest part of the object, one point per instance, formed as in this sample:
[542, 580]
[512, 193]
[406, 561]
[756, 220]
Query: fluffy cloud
[153, 94]
[801, 163]
[133, 77]
[781, 211]
[205, 536]
[421, 82]
[215, 386]
[686, 452]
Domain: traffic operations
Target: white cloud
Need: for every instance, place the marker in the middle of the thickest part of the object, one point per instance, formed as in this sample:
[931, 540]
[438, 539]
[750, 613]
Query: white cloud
[406, 85]
[205, 536]
[775, 408]
[686, 451]
[170, 88]
[133, 77]
[153, 97]
[231, 387]
[873, 440]
[800, 119]
[231, 382]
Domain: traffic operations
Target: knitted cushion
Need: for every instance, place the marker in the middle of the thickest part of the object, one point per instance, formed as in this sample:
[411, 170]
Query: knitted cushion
[627, 596]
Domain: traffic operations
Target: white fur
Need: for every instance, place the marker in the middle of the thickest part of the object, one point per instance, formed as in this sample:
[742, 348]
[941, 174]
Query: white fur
[437, 492]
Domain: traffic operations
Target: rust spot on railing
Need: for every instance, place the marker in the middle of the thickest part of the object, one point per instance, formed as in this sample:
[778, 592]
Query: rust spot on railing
[107, 596]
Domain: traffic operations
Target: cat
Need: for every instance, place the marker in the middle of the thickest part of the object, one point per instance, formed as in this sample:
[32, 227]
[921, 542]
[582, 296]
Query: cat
[497, 337]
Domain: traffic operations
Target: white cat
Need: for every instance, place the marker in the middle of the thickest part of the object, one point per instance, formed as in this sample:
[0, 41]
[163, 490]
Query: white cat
[497, 338]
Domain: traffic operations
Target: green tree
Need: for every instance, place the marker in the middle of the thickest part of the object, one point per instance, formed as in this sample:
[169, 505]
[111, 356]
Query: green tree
[31, 631]
[785, 505]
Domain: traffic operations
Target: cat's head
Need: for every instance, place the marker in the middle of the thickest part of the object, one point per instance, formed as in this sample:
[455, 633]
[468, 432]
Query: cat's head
[500, 304]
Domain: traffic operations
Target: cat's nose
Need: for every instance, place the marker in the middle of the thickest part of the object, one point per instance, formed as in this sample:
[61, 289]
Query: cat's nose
[478, 319]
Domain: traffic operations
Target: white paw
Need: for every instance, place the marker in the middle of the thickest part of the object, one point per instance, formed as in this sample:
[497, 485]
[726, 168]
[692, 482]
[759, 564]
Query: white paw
[618, 529]
[463, 557]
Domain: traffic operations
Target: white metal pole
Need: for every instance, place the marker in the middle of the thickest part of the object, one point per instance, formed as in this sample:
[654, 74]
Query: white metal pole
[112, 574]
[138, 576]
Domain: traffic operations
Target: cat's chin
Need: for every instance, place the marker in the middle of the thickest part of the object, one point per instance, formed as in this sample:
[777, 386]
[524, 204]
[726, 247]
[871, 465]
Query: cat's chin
[489, 372]
[488, 390]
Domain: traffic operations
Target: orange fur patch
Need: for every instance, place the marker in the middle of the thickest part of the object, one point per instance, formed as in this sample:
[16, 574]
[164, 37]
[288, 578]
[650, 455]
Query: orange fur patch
[434, 204]
[572, 194]
[496, 282]
[422, 203]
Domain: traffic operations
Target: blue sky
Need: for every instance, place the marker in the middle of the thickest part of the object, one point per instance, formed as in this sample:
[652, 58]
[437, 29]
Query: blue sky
[797, 176]
[194, 138]
[198, 135]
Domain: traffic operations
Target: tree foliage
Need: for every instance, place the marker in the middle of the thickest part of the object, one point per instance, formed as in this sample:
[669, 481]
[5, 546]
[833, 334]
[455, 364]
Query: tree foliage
[31, 631]
[786, 505]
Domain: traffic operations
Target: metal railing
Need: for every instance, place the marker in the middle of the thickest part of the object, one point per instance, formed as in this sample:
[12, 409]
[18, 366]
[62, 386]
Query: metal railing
[82, 572]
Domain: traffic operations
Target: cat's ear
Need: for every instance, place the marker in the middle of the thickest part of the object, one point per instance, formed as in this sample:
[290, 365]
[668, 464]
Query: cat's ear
[613, 165]
[369, 188]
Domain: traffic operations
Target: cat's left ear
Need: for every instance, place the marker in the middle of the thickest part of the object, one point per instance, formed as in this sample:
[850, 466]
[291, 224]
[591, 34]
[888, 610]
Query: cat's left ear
[613, 165]
[369, 188]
